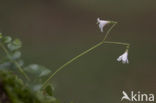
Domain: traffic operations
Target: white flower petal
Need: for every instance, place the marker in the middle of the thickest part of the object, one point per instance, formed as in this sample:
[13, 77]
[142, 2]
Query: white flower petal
[101, 23]
[119, 58]
[123, 58]
[127, 61]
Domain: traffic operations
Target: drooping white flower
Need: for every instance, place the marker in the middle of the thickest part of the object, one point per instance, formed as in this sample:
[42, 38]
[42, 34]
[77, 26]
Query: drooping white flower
[102, 23]
[123, 57]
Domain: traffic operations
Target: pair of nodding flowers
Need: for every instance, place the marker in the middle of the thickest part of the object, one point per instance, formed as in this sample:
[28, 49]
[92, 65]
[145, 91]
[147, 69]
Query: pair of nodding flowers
[124, 56]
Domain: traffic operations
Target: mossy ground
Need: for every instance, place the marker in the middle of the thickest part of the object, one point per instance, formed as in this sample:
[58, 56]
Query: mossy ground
[13, 90]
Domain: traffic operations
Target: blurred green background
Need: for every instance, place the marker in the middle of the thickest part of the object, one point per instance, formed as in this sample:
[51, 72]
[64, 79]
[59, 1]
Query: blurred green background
[54, 31]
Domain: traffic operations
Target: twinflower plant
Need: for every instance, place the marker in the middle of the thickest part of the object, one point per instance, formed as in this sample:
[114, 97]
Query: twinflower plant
[101, 24]
[31, 77]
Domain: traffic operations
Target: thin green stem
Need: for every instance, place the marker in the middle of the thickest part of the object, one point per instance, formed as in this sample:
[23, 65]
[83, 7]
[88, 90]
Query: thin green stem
[107, 33]
[69, 62]
[13, 61]
[119, 43]
[78, 56]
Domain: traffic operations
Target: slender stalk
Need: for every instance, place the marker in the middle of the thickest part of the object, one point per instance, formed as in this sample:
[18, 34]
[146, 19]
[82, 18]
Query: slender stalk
[78, 56]
[119, 43]
[69, 62]
[107, 33]
[13, 61]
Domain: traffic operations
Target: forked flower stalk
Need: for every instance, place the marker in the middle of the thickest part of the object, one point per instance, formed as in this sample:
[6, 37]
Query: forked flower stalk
[101, 23]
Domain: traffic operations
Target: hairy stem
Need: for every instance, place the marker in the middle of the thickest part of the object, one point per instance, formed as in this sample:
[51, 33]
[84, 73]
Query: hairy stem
[13, 61]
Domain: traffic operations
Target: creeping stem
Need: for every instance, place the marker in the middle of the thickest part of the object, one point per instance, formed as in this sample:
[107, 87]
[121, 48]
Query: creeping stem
[83, 53]
[13, 61]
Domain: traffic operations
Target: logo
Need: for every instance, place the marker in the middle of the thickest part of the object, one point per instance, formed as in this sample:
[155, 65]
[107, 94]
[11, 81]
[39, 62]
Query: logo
[137, 96]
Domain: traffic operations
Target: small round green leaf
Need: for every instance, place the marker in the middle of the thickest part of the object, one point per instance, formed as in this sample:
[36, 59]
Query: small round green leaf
[37, 70]
[7, 39]
[16, 55]
[49, 90]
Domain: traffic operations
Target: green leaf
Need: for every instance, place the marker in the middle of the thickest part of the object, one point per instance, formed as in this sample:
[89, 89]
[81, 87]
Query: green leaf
[49, 90]
[13, 47]
[16, 44]
[37, 70]
[20, 62]
[35, 86]
[7, 39]
[44, 72]
[16, 55]
[5, 65]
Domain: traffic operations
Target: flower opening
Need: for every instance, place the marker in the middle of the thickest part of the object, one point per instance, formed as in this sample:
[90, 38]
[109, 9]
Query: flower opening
[102, 23]
[123, 58]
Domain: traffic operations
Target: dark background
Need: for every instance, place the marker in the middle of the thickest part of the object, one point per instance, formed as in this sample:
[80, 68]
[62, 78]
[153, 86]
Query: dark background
[54, 31]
